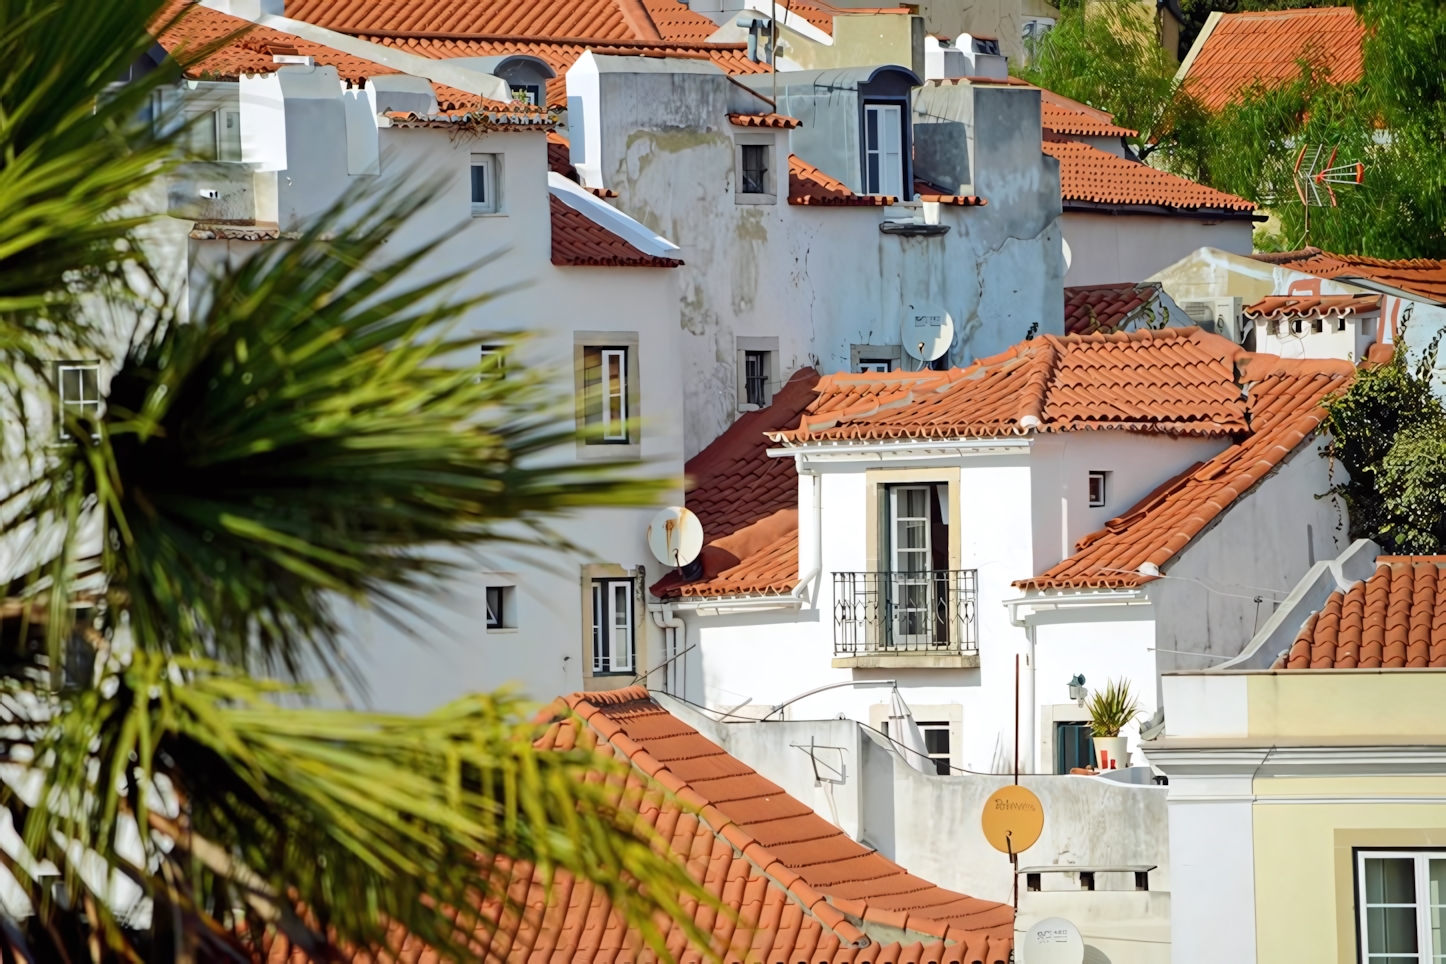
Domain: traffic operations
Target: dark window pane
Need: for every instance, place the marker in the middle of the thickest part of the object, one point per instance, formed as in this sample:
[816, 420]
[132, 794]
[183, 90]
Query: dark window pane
[1390, 880]
[1391, 930]
[755, 169]
[479, 184]
[942, 767]
[936, 740]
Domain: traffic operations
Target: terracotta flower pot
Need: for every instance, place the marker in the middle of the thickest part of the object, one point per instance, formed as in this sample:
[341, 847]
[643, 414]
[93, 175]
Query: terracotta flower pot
[1111, 753]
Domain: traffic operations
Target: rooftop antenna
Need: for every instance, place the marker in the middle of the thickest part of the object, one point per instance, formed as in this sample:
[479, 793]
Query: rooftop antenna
[1311, 176]
[773, 48]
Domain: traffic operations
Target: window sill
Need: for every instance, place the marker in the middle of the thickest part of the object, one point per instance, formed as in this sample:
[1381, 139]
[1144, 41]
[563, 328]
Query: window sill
[488, 214]
[631, 451]
[903, 661]
[755, 199]
[502, 629]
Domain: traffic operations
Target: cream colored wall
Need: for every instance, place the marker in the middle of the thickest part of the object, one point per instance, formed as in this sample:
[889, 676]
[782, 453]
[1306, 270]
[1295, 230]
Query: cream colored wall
[994, 18]
[1303, 854]
[858, 39]
[1353, 703]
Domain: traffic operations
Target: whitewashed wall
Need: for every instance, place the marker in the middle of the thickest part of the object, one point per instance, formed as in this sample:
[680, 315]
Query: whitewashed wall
[1114, 248]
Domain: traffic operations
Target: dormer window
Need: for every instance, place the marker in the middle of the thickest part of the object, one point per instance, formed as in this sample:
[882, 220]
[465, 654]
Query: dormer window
[883, 150]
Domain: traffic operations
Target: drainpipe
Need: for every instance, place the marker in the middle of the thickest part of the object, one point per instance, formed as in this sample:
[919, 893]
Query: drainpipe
[1027, 735]
[667, 620]
[816, 570]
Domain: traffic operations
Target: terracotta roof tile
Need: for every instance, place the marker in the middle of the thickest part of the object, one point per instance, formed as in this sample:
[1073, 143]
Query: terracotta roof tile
[747, 504]
[1178, 381]
[1104, 308]
[593, 19]
[1090, 175]
[253, 52]
[808, 185]
[1392, 620]
[1065, 116]
[578, 240]
[764, 120]
[561, 54]
[1313, 306]
[772, 914]
[1423, 277]
[1267, 46]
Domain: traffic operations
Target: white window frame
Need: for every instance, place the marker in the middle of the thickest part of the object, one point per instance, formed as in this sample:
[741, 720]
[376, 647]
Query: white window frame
[614, 427]
[612, 629]
[925, 726]
[493, 359]
[491, 167]
[1100, 500]
[1425, 953]
[890, 161]
[500, 607]
[81, 405]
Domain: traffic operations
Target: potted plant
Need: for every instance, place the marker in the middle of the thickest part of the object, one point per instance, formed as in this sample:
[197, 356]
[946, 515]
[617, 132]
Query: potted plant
[1111, 710]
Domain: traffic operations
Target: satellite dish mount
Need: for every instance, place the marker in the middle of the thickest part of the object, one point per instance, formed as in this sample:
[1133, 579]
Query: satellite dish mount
[675, 537]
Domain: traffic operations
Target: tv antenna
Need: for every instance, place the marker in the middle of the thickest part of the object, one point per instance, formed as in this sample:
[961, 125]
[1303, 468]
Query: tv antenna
[1311, 176]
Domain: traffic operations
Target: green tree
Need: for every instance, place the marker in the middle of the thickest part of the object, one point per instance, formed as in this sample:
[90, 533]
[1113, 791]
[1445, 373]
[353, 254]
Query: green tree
[308, 439]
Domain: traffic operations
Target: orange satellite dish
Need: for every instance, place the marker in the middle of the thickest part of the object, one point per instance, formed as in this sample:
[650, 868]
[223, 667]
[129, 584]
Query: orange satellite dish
[1013, 819]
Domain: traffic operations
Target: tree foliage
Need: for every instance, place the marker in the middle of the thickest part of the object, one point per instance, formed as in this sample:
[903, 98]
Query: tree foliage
[1393, 121]
[319, 432]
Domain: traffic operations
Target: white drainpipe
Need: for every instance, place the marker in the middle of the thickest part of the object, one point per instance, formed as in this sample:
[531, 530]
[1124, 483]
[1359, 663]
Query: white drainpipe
[666, 620]
[816, 570]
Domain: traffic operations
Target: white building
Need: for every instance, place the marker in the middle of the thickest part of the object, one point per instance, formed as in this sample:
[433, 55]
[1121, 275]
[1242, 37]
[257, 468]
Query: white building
[1115, 506]
[292, 125]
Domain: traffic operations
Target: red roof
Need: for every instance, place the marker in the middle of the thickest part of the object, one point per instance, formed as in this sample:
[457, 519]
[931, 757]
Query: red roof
[764, 120]
[1312, 306]
[794, 887]
[1178, 381]
[1092, 308]
[1065, 116]
[747, 504]
[590, 19]
[808, 185]
[578, 240]
[1090, 175]
[1267, 47]
[1423, 277]
[253, 52]
[1393, 620]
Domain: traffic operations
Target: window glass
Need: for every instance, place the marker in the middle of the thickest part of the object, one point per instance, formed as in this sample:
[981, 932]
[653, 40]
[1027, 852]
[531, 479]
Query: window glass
[229, 124]
[526, 93]
[612, 625]
[755, 169]
[755, 377]
[79, 386]
[936, 744]
[494, 607]
[876, 365]
[605, 390]
[884, 170]
[494, 362]
[1097, 489]
[486, 194]
[1401, 906]
[1074, 746]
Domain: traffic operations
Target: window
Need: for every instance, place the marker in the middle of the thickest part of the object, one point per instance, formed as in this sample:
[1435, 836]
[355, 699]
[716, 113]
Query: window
[1296, 326]
[79, 388]
[527, 94]
[883, 150]
[936, 744]
[1074, 746]
[875, 365]
[1401, 900]
[214, 135]
[1097, 489]
[612, 626]
[1272, 327]
[486, 184]
[755, 377]
[494, 362]
[1317, 325]
[605, 391]
[916, 588]
[755, 169]
[500, 607]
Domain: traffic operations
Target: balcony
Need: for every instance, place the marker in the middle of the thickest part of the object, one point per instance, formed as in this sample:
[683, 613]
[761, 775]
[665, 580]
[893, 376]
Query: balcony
[918, 620]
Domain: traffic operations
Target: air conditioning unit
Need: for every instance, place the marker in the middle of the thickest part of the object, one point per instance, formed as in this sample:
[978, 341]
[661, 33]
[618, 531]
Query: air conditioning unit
[1220, 315]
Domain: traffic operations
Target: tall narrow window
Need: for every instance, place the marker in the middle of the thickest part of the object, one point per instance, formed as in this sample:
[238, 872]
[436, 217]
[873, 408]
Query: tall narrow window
[486, 191]
[605, 386]
[936, 744]
[883, 150]
[79, 390]
[228, 126]
[501, 607]
[612, 625]
[755, 377]
[1097, 489]
[1402, 903]
[755, 169]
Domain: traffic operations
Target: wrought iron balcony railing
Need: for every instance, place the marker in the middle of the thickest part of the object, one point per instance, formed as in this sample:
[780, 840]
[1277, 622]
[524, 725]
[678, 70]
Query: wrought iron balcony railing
[928, 612]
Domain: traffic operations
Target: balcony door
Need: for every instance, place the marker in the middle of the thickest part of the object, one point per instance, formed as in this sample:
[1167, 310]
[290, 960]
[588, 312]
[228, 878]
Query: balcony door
[916, 587]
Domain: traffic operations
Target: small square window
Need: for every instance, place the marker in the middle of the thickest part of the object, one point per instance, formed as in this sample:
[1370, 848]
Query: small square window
[486, 184]
[1317, 325]
[500, 609]
[494, 362]
[605, 393]
[612, 626]
[527, 94]
[879, 365]
[1097, 489]
[936, 744]
[755, 168]
[78, 387]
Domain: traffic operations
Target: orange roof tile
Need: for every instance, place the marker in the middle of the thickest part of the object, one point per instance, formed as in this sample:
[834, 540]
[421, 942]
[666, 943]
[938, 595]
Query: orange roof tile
[1266, 47]
[1092, 308]
[1284, 404]
[1090, 175]
[592, 19]
[1065, 116]
[747, 504]
[764, 120]
[678, 23]
[1392, 620]
[254, 50]
[1312, 306]
[1423, 277]
[782, 873]
[808, 185]
[578, 240]
[1178, 381]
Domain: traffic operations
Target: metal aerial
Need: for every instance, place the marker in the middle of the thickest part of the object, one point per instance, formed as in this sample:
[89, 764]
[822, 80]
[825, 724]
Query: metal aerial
[1312, 175]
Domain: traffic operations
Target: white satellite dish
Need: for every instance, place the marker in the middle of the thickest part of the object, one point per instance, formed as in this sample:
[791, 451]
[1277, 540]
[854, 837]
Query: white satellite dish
[1053, 940]
[927, 331]
[675, 536]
